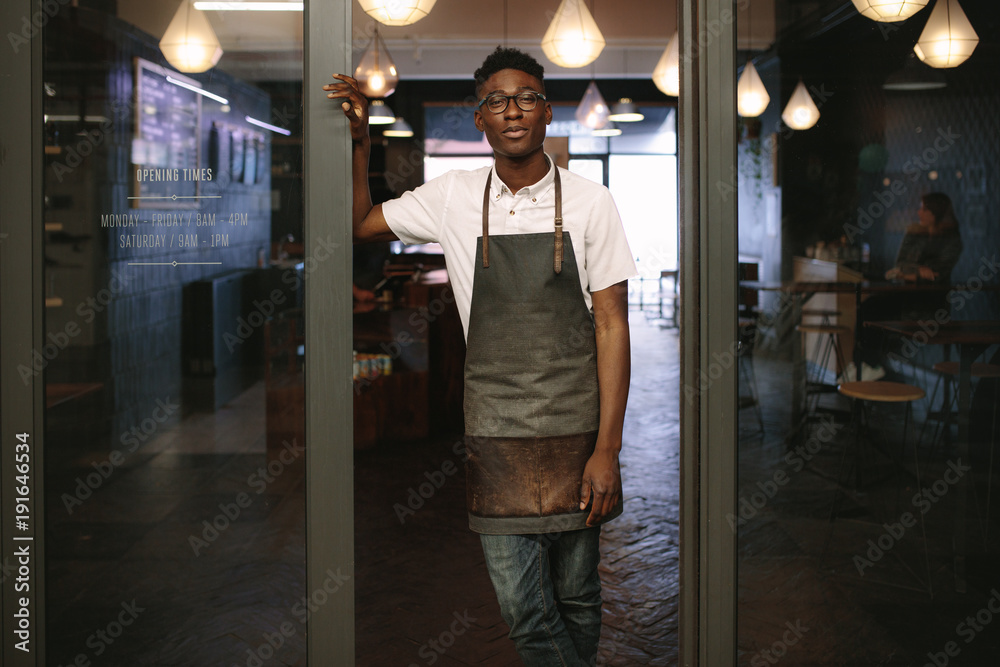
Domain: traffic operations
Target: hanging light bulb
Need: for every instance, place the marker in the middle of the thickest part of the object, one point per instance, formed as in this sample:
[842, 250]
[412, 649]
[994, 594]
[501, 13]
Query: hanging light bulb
[379, 113]
[666, 74]
[801, 113]
[948, 38]
[611, 130]
[190, 44]
[751, 96]
[376, 73]
[573, 38]
[398, 129]
[889, 11]
[593, 110]
[397, 12]
[625, 111]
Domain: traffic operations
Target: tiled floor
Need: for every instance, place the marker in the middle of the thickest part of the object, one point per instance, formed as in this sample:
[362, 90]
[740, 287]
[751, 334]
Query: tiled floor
[416, 580]
[423, 596]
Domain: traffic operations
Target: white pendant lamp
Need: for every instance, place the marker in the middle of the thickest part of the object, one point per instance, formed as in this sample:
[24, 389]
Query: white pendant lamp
[190, 44]
[376, 73]
[948, 38]
[666, 74]
[889, 11]
[801, 113]
[573, 38]
[397, 12]
[625, 111]
[751, 96]
[398, 129]
[379, 113]
[593, 111]
[611, 130]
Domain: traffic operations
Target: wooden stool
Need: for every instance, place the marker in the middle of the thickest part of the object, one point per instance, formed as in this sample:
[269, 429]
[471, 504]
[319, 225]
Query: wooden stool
[821, 313]
[824, 347]
[747, 377]
[877, 391]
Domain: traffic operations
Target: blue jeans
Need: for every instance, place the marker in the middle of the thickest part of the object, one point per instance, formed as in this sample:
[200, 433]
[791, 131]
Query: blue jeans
[549, 591]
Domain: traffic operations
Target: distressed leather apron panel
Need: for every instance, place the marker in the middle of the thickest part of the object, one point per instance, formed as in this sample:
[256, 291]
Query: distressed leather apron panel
[531, 365]
[527, 485]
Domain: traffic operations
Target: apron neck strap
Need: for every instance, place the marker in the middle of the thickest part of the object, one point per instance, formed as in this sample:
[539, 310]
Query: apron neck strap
[557, 255]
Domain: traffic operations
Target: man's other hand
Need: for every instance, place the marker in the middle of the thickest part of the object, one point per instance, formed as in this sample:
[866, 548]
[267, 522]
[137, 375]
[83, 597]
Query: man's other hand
[601, 477]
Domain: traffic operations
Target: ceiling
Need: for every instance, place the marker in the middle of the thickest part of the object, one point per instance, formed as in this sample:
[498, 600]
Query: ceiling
[457, 33]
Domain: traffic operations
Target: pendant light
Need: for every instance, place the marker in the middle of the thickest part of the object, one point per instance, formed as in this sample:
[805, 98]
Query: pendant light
[625, 110]
[398, 129]
[573, 38]
[376, 73]
[611, 130]
[397, 12]
[190, 44]
[666, 74]
[593, 110]
[379, 113]
[751, 96]
[948, 38]
[889, 11]
[801, 113]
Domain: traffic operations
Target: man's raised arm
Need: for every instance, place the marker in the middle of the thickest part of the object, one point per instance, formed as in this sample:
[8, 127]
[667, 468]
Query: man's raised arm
[368, 222]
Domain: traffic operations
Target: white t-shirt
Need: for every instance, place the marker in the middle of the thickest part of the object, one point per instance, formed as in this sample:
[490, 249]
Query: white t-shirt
[448, 210]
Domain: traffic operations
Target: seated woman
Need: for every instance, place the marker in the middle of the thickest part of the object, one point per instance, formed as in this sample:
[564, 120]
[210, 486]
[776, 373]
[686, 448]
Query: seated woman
[931, 247]
[929, 251]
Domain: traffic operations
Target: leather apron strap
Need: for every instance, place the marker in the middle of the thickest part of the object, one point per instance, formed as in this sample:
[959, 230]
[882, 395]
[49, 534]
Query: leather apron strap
[557, 252]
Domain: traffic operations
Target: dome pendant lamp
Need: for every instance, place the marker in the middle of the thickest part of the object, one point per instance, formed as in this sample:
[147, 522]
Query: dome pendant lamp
[573, 38]
[666, 74]
[948, 38]
[376, 73]
[189, 43]
[751, 96]
[889, 11]
[801, 113]
[593, 111]
[397, 12]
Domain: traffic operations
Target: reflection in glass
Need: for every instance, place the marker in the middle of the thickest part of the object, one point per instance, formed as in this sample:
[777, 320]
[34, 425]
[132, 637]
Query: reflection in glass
[868, 351]
[174, 427]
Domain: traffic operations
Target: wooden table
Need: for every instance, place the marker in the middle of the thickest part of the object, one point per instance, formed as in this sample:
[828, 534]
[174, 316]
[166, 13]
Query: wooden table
[972, 337]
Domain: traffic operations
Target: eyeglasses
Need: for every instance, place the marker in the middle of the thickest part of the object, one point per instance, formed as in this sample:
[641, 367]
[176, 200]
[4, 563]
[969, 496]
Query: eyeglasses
[498, 102]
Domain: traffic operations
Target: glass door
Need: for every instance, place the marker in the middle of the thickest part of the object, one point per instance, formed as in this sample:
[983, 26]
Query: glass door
[155, 340]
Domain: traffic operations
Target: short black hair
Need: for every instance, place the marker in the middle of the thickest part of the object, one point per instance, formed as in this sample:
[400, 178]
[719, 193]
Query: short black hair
[503, 58]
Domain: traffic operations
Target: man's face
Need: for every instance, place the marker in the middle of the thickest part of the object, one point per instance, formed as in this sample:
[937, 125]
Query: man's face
[513, 132]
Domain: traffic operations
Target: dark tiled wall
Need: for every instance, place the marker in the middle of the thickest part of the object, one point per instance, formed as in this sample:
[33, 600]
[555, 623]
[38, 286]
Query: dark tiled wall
[136, 344]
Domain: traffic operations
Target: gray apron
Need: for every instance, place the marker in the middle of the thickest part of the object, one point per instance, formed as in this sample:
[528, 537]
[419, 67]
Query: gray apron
[532, 407]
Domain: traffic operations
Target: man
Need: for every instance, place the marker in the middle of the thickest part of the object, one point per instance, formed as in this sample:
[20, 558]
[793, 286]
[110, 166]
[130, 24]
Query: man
[538, 261]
